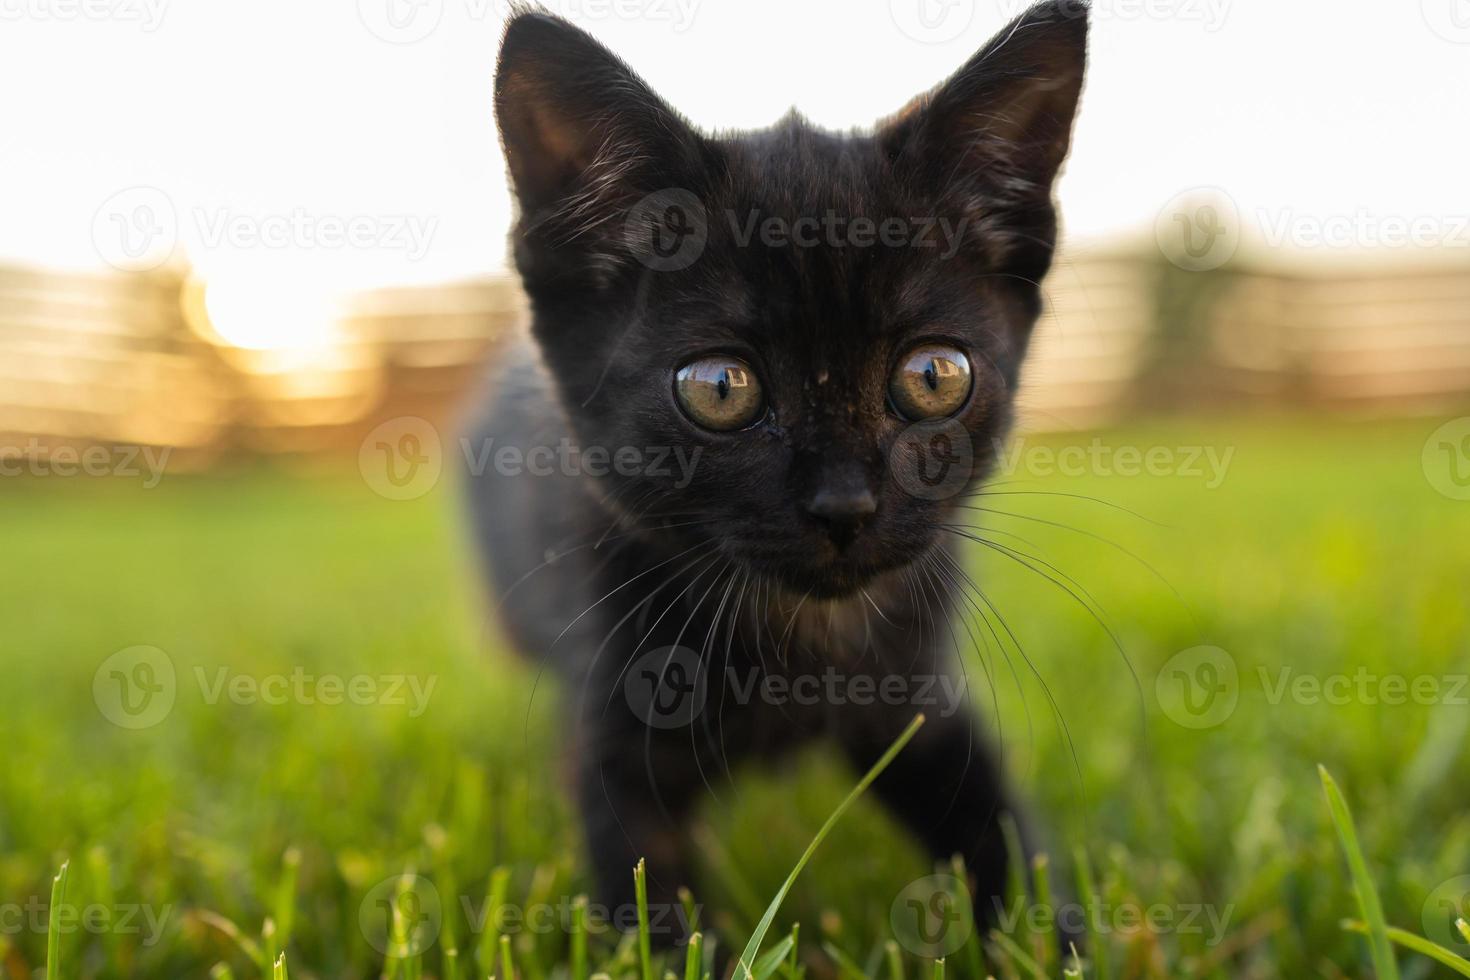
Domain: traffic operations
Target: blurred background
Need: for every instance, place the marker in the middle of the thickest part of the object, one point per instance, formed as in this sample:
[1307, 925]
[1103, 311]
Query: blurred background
[246, 246]
[259, 229]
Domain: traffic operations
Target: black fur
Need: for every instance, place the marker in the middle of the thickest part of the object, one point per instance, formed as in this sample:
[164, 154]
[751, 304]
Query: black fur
[594, 569]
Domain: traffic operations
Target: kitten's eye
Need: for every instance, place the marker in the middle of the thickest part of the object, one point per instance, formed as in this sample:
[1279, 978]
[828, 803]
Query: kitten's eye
[931, 381]
[719, 392]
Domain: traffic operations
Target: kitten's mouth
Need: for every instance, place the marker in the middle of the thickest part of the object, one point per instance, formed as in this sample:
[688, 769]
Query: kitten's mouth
[831, 577]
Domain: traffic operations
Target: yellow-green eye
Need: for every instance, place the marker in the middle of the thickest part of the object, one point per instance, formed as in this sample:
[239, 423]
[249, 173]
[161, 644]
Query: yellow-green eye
[719, 392]
[931, 381]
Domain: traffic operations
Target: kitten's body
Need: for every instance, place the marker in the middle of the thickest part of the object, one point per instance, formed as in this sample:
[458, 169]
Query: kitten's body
[589, 593]
[791, 548]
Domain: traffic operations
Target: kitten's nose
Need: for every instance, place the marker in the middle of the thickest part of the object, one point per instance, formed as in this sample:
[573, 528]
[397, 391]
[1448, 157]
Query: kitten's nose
[842, 508]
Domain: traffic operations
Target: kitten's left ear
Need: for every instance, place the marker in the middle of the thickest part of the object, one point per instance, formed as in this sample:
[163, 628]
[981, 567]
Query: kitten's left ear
[1005, 118]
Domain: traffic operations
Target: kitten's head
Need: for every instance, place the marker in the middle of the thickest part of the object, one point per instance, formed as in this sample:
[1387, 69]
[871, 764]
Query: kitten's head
[833, 323]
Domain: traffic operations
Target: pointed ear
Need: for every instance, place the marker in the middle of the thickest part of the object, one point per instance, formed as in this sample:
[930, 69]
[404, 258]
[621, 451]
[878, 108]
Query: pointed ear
[999, 128]
[583, 135]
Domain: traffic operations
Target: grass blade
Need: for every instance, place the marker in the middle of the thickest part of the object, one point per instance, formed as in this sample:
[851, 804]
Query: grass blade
[691, 910]
[1380, 948]
[709, 954]
[507, 964]
[1087, 895]
[403, 959]
[747, 958]
[248, 946]
[694, 958]
[894, 959]
[645, 944]
[772, 959]
[973, 956]
[1417, 944]
[579, 938]
[1074, 969]
[53, 925]
[1046, 936]
[1015, 863]
[489, 944]
[846, 968]
[1018, 955]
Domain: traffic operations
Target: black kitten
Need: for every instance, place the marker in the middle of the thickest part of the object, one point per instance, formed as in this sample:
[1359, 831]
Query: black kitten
[766, 369]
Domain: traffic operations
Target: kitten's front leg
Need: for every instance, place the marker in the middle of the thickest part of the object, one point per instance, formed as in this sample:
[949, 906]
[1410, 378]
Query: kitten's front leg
[946, 787]
[636, 797]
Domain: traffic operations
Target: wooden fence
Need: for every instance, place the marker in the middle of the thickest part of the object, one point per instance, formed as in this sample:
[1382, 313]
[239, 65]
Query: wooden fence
[124, 359]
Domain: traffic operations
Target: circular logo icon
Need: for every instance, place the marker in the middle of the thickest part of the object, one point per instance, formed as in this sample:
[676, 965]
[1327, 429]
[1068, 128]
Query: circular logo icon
[932, 21]
[400, 916]
[666, 688]
[932, 917]
[135, 688]
[400, 21]
[1450, 19]
[402, 458]
[933, 460]
[667, 230]
[1444, 906]
[1446, 459]
[1199, 229]
[1198, 687]
[136, 229]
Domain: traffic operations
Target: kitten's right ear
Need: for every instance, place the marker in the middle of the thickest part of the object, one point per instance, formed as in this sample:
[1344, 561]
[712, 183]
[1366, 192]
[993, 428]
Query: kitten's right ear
[579, 128]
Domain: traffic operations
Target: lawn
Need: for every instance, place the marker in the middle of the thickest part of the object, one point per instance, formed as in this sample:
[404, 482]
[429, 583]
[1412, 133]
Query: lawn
[343, 713]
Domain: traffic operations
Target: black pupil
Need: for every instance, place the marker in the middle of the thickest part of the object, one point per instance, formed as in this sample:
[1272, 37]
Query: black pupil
[931, 377]
[723, 385]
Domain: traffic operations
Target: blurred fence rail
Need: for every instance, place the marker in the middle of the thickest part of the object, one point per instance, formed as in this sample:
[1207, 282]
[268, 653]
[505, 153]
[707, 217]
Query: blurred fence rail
[87, 359]
[1090, 342]
[105, 357]
[1394, 337]
[122, 359]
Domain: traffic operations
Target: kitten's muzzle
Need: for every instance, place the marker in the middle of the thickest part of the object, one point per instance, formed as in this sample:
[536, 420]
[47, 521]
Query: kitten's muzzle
[842, 510]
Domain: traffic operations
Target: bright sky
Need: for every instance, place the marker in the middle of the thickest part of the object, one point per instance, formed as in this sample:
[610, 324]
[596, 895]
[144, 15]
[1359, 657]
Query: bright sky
[351, 141]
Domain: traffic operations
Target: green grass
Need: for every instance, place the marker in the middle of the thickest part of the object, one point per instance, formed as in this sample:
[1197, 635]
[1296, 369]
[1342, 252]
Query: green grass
[1323, 552]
